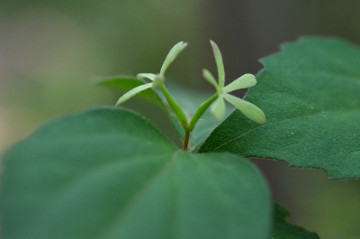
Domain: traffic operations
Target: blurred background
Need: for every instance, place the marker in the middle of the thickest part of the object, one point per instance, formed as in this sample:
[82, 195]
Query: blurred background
[50, 49]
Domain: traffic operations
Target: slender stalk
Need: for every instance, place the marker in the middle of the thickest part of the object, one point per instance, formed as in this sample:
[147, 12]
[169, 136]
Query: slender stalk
[176, 108]
[188, 128]
[201, 110]
[186, 140]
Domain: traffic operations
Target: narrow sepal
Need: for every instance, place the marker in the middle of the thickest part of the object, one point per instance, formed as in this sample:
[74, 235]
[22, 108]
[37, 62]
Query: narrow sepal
[133, 92]
[210, 78]
[249, 110]
[218, 108]
[149, 76]
[243, 82]
[219, 63]
[171, 56]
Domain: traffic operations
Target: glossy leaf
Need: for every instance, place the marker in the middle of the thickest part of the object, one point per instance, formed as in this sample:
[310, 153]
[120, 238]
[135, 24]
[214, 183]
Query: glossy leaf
[284, 230]
[310, 93]
[107, 173]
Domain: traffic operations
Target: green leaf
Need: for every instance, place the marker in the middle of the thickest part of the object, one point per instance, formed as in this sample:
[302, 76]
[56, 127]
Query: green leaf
[210, 78]
[108, 173]
[219, 63]
[131, 93]
[126, 83]
[310, 93]
[190, 101]
[284, 230]
[172, 55]
[243, 82]
[249, 110]
[218, 108]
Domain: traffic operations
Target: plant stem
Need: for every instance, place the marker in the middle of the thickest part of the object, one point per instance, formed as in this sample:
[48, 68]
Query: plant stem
[201, 110]
[176, 108]
[181, 115]
[186, 140]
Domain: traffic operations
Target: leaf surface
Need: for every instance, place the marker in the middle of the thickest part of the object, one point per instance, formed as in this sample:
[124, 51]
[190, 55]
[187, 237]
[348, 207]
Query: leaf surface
[310, 93]
[107, 173]
[283, 230]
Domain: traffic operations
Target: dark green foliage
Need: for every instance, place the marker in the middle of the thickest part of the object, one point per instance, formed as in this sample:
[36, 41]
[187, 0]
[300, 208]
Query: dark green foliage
[107, 173]
[284, 230]
[310, 93]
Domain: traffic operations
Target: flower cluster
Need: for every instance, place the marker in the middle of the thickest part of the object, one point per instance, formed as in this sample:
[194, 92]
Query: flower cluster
[217, 101]
[246, 81]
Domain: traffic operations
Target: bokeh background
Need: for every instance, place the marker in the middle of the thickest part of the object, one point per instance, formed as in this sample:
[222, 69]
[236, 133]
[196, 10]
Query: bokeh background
[50, 49]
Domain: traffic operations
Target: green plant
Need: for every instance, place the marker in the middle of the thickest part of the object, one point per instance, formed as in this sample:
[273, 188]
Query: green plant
[108, 173]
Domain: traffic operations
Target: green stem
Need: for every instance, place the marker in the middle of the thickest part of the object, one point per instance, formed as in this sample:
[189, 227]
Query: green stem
[176, 108]
[186, 140]
[201, 110]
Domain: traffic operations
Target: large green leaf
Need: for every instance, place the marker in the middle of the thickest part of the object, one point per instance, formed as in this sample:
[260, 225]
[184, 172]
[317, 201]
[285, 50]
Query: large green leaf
[284, 230]
[310, 93]
[107, 173]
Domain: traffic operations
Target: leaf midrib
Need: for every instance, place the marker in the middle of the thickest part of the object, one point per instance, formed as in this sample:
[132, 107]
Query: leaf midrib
[137, 196]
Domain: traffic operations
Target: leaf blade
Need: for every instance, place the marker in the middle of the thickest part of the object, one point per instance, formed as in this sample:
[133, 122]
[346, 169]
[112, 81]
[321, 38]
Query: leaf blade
[284, 230]
[218, 108]
[243, 82]
[172, 55]
[310, 93]
[219, 64]
[210, 78]
[110, 174]
[131, 93]
[248, 109]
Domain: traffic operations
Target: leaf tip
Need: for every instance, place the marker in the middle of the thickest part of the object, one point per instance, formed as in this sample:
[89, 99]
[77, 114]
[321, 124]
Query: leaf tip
[172, 55]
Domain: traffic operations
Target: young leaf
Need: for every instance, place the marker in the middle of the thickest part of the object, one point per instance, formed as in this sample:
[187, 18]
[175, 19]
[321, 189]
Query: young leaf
[210, 78]
[310, 93]
[107, 173]
[243, 82]
[284, 230]
[126, 83]
[218, 108]
[219, 63]
[171, 56]
[131, 93]
[248, 109]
